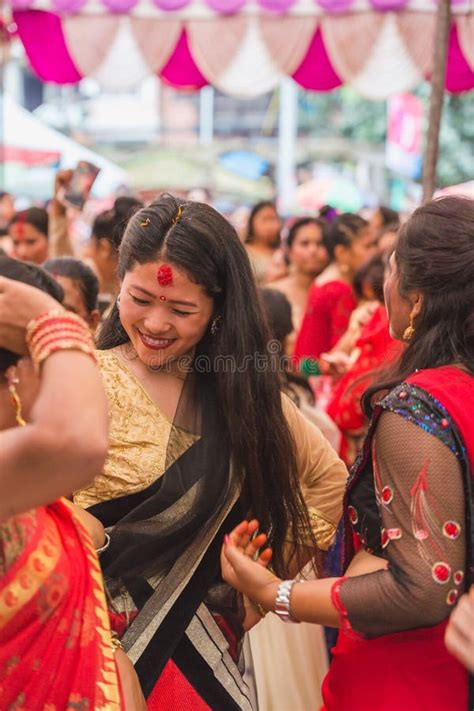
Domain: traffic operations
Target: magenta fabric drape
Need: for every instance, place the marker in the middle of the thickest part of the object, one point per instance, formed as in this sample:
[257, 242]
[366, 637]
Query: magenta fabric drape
[42, 36]
[329, 50]
[181, 70]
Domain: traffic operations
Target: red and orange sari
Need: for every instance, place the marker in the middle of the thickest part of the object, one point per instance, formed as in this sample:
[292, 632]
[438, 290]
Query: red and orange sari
[376, 349]
[55, 644]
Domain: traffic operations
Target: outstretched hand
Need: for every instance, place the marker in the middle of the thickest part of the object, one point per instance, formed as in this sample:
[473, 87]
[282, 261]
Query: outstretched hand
[245, 539]
[245, 568]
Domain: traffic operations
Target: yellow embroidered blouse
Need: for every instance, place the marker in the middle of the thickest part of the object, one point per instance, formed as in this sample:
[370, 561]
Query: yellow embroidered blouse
[143, 444]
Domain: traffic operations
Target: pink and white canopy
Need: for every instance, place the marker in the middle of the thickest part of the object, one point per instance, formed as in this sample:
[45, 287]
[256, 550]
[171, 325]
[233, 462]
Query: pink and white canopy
[244, 47]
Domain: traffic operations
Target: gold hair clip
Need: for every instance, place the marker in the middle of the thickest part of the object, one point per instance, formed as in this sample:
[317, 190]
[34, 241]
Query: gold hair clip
[145, 222]
[178, 215]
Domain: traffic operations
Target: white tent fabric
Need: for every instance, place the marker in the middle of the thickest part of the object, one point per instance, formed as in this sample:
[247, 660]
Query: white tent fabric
[22, 130]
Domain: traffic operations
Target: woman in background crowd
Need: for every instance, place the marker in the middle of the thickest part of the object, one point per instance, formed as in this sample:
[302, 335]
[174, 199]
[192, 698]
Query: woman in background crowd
[107, 232]
[307, 256]
[80, 286]
[382, 217]
[7, 211]
[29, 234]
[331, 299]
[263, 239]
[387, 236]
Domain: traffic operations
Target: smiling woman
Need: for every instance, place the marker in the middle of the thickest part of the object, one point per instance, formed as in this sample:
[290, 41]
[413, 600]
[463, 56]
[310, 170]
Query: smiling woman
[192, 449]
[171, 318]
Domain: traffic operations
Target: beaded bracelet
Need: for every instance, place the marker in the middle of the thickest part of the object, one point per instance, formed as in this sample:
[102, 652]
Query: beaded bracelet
[57, 331]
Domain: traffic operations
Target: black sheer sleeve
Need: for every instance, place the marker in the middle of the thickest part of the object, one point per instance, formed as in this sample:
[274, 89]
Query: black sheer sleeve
[421, 503]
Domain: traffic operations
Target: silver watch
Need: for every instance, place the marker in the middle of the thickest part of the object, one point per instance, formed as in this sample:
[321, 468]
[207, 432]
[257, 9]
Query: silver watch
[282, 602]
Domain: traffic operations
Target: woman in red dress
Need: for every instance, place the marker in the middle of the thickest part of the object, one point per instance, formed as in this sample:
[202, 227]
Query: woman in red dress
[408, 504]
[332, 299]
[56, 649]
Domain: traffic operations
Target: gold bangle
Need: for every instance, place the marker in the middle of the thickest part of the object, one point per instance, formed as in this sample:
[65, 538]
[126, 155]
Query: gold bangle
[115, 642]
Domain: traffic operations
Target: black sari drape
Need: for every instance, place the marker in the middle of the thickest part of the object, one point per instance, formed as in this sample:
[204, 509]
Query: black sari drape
[163, 560]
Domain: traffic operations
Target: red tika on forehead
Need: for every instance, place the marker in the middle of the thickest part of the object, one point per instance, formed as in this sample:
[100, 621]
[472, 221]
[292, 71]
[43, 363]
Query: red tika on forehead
[20, 227]
[164, 275]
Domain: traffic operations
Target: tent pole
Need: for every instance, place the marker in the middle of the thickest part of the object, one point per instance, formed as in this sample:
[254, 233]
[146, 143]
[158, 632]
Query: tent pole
[287, 134]
[438, 79]
[206, 116]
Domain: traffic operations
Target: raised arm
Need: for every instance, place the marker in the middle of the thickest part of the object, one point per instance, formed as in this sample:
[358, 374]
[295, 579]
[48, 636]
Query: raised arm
[422, 508]
[60, 243]
[65, 442]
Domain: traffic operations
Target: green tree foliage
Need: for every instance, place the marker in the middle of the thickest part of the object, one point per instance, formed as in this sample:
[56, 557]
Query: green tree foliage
[345, 113]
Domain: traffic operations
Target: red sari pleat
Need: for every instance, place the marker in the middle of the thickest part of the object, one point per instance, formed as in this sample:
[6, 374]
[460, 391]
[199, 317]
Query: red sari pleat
[173, 692]
[406, 671]
[55, 649]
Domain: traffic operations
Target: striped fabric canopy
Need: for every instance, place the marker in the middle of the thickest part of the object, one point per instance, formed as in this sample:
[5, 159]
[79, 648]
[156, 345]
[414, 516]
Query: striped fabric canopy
[244, 47]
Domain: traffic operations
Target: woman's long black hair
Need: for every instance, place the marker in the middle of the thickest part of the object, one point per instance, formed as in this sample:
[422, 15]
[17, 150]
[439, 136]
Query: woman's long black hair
[204, 245]
[434, 254]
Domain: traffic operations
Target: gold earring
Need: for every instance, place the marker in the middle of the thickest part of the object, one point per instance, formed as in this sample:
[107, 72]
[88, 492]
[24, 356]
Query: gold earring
[16, 402]
[409, 332]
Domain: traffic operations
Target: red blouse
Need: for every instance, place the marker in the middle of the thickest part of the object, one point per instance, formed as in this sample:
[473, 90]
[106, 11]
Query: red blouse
[326, 319]
[376, 348]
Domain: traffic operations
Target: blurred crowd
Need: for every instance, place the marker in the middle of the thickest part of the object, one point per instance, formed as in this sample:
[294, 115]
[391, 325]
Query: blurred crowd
[328, 270]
